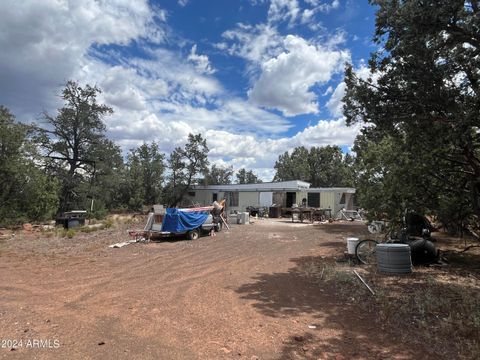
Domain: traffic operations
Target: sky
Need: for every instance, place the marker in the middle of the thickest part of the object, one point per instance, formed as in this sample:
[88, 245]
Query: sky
[255, 77]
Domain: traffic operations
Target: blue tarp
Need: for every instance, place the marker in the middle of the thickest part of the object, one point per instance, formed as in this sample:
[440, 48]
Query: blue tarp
[180, 221]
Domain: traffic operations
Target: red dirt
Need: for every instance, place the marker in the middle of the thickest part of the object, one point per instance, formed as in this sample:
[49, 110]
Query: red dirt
[241, 294]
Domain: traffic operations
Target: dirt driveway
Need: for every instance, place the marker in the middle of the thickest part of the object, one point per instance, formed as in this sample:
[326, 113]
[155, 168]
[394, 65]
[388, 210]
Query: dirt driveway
[239, 295]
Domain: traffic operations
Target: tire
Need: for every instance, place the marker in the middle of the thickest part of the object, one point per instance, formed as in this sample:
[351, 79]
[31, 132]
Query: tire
[219, 227]
[423, 252]
[193, 234]
[366, 252]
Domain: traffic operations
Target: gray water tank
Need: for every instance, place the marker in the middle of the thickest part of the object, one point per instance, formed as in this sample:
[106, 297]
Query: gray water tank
[394, 259]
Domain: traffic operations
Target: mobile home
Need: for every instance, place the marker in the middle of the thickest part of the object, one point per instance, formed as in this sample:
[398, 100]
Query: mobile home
[284, 194]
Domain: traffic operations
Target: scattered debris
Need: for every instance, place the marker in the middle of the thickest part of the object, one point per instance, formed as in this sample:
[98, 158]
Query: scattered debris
[122, 244]
[376, 227]
[312, 326]
[321, 275]
[349, 215]
[101, 343]
[363, 281]
[257, 211]
[224, 222]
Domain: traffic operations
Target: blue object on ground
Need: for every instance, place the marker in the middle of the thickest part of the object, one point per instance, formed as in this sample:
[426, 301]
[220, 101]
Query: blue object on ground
[180, 221]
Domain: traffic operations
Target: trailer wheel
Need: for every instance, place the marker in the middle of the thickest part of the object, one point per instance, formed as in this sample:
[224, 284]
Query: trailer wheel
[219, 227]
[193, 234]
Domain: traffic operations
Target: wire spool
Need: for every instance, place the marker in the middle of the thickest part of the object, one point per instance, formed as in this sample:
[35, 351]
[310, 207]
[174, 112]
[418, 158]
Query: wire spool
[394, 259]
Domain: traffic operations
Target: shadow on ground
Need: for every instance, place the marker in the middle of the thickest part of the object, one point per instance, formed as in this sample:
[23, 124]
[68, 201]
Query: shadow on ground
[463, 260]
[345, 330]
[345, 228]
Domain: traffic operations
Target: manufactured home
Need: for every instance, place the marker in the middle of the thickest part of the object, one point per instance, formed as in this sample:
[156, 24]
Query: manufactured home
[283, 194]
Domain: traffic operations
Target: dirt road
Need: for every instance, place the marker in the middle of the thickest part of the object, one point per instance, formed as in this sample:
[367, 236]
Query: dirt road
[242, 294]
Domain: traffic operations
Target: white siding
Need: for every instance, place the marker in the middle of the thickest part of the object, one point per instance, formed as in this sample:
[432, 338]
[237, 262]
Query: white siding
[203, 197]
[327, 200]
[247, 198]
[300, 196]
[266, 198]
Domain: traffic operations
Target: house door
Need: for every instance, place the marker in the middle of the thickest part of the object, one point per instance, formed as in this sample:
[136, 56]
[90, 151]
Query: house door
[291, 199]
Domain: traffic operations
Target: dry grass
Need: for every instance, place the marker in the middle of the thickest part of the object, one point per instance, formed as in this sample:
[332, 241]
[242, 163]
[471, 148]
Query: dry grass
[436, 307]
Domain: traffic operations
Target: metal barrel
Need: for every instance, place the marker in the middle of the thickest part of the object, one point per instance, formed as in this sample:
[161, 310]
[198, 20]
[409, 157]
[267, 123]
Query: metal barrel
[394, 259]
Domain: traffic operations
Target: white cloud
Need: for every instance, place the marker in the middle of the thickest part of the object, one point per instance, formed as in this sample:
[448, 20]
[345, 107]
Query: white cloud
[336, 39]
[318, 6]
[202, 63]
[224, 127]
[153, 101]
[284, 71]
[162, 95]
[324, 6]
[283, 10]
[335, 103]
[307, 15]
[328, 91]
[327, 132]
[335, 4]
[184, 80]
[182, 3]
[253, 43]
[249, 150]
[44, 42]
[286, 81]
[159, 96]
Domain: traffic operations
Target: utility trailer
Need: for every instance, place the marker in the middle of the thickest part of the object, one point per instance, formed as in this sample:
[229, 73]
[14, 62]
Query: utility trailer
[189, 222]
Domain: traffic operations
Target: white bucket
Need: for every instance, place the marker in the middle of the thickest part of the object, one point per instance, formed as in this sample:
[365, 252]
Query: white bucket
[352, 244]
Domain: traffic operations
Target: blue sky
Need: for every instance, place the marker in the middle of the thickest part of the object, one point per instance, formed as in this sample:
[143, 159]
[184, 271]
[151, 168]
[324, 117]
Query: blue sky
[255, 77]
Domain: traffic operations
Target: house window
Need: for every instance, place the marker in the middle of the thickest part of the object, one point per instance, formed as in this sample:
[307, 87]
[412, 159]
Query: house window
[232, 198]
[191, 193]
[342, 199]
[214, 197]
[313, 200]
